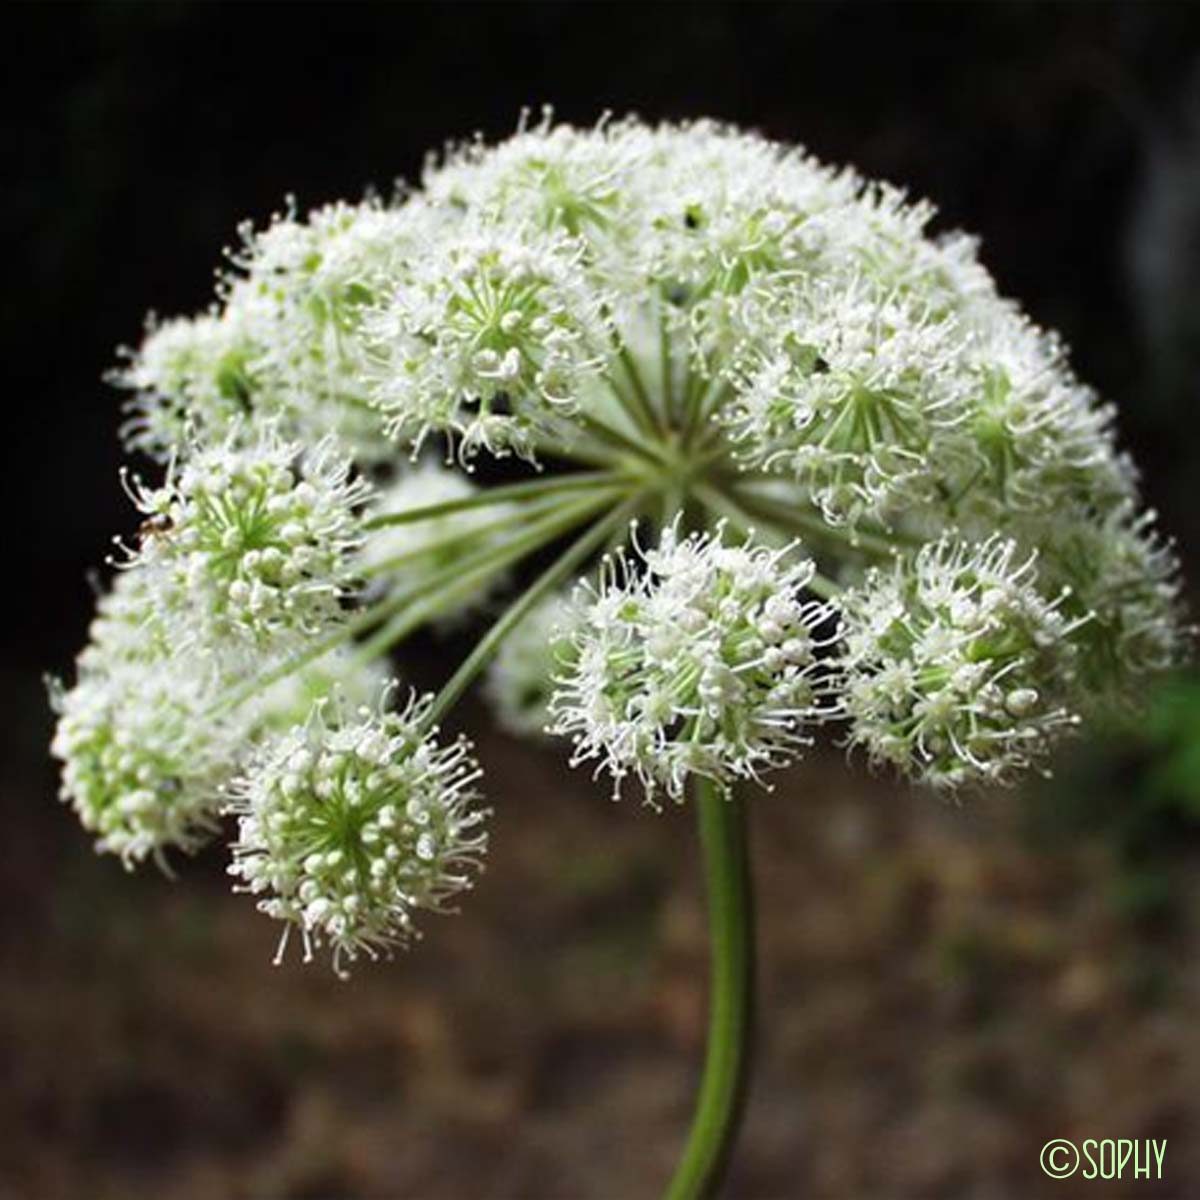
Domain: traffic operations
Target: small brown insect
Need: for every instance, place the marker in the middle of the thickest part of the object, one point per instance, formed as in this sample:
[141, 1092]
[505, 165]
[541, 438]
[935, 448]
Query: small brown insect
[154, 526]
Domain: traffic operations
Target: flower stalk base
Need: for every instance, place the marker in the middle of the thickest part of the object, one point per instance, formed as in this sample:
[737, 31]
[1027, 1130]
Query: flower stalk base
[723, 841]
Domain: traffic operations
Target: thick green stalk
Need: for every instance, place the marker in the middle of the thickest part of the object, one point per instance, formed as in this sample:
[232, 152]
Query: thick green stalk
[731, 997]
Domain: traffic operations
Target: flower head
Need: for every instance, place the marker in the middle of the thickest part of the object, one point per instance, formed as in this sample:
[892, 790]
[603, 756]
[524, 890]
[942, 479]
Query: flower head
[1036, 439]
[719, 328]
[552, 176]
[143, 753]
[956, 669]
[353, 822]
[129, 625]
[705, 663]
[489, 339]
[310, 284]
[253, 542]
[282, 345]
[142, 761]
[1123, 576]
[854, 394]
[189, 374]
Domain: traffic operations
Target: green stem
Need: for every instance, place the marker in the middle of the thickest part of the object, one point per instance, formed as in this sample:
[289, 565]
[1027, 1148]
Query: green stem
[461, 578]
[568, 443]
[731, 999]
[647, 449]
[650, 418]
[515, 492]
[706, 405]
[487, 533]
[665, 367]
[481, 655]
[632, 407]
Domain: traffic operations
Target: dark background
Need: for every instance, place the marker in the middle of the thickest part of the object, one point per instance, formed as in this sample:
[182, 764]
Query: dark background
[944, 990]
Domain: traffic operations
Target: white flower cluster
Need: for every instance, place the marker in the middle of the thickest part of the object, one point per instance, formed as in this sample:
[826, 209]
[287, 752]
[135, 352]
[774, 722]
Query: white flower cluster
[144, 736]
[189, 373]
[851, 397]
[701, 659]
[955, 667]
[351, 823]
[846, 348]
[719, 329]
[243, 554]
[872, 363]
[896, 405]
[490, 340]
[1123, 577]
[253, 543]
[550, 177]
[282, 344]
[141, 763]
[1040, 442]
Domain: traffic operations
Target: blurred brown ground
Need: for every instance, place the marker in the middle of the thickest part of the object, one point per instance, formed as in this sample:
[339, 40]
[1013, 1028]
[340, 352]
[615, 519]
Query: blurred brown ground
[937, 1001]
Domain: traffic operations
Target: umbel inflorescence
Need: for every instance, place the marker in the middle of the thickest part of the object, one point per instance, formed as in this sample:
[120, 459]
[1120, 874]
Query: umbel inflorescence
[804, 469]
